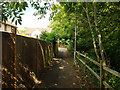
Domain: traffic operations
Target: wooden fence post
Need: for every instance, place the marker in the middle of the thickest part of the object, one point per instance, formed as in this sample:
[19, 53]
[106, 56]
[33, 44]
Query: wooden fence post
[77, 54]
[86, 54]
[15, 79]
[37, 55]
[101, 74]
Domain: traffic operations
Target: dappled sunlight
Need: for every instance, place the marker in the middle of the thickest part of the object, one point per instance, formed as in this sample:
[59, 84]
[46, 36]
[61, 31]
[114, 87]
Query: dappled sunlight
[12, 37]
[10, 46]
[64, 77]
[77, 77]
[34, 78]
[21, 79]
[10, 77]
[57, 62]
[73, 83]
[55, 84]
[25, 43]
[67, 63]
[62, 49]
[64, 61]
[61, 67]
[31, 74]
[32, 56]
[83, 38]
[57, 59]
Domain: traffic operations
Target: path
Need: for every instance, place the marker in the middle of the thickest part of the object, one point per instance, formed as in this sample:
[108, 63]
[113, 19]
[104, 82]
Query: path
[62, 74]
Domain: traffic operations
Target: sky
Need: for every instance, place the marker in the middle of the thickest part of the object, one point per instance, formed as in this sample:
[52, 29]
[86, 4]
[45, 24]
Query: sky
[31, 21]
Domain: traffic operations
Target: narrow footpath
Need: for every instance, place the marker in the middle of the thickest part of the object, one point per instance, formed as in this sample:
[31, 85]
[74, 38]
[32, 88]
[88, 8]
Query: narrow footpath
[62, 74]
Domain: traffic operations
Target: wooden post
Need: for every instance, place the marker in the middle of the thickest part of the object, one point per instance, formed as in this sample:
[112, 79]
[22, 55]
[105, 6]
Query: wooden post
[101, 47]
[36, 36]
[101, 74]
[93, 36]
[77, 54]
[86, 54]
[15, 79]
[37, 55]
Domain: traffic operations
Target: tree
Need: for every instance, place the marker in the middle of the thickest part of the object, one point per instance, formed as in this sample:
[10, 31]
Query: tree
[13, 10]
[101, 18]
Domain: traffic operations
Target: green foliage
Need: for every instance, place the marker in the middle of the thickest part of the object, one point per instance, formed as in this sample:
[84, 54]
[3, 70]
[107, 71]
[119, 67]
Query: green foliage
[22, 32]
[112, 80]
[108, 13]
[41, 9]
[49, 37]
[63, 26]
[13, 10]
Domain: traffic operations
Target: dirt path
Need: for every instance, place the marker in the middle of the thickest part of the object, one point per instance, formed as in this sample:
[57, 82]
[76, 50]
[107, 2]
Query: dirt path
[62, 74]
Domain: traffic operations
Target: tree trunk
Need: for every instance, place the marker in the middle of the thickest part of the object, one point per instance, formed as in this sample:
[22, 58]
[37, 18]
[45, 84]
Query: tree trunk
[93, 37]
[99, 35]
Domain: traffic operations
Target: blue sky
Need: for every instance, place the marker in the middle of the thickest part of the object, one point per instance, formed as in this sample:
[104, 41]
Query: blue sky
[29, 20]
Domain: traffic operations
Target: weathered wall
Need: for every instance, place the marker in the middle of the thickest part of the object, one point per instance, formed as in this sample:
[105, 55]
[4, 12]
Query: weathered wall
[32, 56]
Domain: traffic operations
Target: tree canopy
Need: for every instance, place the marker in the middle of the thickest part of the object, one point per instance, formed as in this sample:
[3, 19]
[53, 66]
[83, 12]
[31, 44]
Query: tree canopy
[107, 14]
[14, 10]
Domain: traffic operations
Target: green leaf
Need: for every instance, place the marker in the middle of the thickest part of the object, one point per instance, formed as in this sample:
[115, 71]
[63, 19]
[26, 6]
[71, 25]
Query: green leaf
[19, 21]
[13, 19]
[11, 16]
[16, 22]
[21, 13]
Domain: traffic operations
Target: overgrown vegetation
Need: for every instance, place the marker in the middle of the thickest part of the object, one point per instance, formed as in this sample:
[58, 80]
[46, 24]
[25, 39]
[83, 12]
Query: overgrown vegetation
[108, 13]
[93, 20]
[49, 37]
[107, 19]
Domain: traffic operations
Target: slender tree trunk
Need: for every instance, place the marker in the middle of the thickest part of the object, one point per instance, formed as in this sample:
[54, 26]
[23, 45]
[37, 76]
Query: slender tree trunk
[93, 37]
[99, 35]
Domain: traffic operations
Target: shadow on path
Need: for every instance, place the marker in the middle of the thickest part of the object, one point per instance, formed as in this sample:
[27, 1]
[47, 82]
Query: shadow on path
[62, 74]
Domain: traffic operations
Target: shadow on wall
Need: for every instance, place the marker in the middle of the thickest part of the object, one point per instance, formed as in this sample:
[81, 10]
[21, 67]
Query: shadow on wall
[32, 56]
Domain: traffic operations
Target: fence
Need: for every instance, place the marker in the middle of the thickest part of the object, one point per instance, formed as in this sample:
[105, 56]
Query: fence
[102, 68]
[22, 59]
